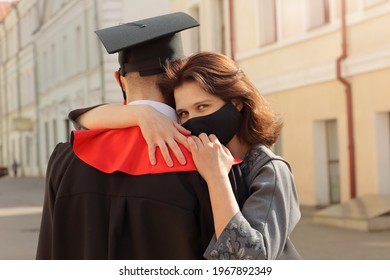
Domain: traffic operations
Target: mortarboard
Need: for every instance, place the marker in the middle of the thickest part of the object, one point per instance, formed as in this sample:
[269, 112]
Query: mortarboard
[145, 45]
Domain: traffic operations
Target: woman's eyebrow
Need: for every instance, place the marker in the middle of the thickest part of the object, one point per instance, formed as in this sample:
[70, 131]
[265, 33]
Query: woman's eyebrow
[202, 102]
[179, 110]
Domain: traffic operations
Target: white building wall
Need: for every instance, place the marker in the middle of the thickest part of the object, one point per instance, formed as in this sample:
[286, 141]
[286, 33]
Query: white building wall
[57, 65]
[15, 70]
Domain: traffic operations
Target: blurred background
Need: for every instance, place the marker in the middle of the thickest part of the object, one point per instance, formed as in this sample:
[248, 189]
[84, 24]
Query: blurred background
[324, 65]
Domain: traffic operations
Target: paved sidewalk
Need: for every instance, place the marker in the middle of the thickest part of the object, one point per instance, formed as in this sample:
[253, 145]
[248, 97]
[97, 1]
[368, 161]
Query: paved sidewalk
[322, 242]
[22, 198]
[21, 202]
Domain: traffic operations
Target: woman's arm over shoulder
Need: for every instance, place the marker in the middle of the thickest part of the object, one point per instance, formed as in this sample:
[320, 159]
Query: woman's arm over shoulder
[158, 129]
[106, 116]
[74, 115]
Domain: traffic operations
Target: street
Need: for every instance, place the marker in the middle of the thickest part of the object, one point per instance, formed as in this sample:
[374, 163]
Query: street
[20, 215]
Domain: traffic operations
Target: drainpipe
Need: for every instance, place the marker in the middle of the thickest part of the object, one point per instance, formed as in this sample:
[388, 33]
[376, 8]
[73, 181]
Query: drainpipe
[231, 29]
[348, 95]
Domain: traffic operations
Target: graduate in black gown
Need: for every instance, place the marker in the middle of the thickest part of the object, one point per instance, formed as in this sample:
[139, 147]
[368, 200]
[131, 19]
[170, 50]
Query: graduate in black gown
[103, 198]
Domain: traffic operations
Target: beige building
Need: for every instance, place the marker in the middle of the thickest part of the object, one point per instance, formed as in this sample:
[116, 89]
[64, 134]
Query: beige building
[337, 127]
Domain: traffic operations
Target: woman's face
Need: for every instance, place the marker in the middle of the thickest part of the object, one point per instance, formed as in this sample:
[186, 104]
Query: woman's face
[193, 101]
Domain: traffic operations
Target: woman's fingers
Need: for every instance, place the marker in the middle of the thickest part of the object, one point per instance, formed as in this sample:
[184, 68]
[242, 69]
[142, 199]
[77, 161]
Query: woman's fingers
[180, 138]
[192, 144]
[214, 139]
[164, 152]
[166, 144]
[204, 138]
[172, 144]
[228, 153]
[195, 144]
[165, 134]
[152, 154]
[181, 129]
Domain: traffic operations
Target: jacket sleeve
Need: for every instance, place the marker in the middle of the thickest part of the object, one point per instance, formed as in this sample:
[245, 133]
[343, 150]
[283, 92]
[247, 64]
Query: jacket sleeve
[261, 230]
[75, 114]
[44, 249]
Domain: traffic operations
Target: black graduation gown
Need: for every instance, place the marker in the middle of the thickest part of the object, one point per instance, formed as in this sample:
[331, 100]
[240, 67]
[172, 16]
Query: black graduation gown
[89, 214]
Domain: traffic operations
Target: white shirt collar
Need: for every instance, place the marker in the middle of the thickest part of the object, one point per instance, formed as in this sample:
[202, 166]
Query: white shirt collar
[161, 107]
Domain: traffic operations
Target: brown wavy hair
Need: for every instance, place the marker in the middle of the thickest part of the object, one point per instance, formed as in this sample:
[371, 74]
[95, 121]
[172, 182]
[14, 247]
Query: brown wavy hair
[220, 76]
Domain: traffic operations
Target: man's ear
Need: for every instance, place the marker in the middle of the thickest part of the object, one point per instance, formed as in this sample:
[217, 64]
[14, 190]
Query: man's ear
[118, 79]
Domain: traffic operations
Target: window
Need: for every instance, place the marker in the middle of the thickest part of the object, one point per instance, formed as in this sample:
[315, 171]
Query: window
[55, 134]
[27, 89]
[23, 29]
[67, 129]
[32, 89]
[333, 160]
[370, 3]
[13, 149]
[23, 86]
[12, 41]
[220, 30]
[45, 79]
[78, 48]
[326, 162]
[27, 27]
[12, 93]
[34, 20]
[29, 144]
[267, 22]
[47, 139]
[383, 151]
[53, 63]
[65, 56]
[317, 13]
[195, 35]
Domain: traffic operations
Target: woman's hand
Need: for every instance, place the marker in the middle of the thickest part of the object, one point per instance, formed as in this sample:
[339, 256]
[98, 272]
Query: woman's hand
[214, 161]
[211, 158]
[162, 132]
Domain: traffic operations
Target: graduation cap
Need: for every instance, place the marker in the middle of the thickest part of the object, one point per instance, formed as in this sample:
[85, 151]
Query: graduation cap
[145, 45]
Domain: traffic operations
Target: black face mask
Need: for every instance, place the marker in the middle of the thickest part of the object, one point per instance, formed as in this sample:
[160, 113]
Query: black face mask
[224, 123]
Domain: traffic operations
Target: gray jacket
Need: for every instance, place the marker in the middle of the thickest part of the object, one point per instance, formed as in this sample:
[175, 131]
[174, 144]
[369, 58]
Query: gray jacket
[262, 228]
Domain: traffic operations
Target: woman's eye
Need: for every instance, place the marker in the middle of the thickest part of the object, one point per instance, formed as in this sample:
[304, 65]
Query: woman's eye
[202, 107]
[182, 115]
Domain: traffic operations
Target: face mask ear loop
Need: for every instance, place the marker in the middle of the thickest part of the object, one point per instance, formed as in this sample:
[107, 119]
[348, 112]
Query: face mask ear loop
[120, 84]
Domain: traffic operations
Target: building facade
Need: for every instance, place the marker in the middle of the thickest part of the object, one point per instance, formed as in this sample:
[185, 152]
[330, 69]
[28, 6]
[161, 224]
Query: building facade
[51, 63]
[324, 65]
